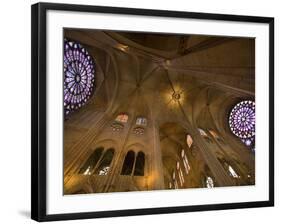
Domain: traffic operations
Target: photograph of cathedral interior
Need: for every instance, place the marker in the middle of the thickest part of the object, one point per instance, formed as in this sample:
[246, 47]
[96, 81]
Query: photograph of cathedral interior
[156, 111]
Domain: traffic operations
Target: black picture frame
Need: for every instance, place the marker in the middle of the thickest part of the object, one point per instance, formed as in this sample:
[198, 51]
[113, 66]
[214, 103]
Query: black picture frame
[38, 108]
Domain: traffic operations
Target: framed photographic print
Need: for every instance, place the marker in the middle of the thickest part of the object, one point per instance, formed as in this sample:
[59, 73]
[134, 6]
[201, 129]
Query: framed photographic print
[138, 111]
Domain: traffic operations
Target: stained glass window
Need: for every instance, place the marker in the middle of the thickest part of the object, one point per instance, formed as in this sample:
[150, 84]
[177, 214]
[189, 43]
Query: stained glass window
[128, 164]
[123, 118]
[209, 182]
[79, 76]
[91, 162]
[189, 140]
[104, 163]
[170, 185]
[141, 121]
[180, 174]
[104, 171]
[232, 172]
[185, 161]
[202, 132]
[139, 164]
[176, 186]
[242, 121]
[174, 175]
[214, 134]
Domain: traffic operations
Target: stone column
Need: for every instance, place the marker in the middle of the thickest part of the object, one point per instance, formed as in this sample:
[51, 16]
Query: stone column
[221, 176]
[156, 159]
[117, 163]
[76, 154]
[245, 154]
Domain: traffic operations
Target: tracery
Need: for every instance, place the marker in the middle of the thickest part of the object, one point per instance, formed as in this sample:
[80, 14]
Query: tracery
[242, 122]
[79, 76]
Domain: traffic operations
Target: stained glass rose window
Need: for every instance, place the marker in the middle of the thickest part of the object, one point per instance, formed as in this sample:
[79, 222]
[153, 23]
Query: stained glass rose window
[242, 121]
[79, 76]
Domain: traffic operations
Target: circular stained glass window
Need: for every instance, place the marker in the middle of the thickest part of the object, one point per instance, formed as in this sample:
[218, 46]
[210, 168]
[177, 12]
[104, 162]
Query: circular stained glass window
[79, 76]
[242, 120]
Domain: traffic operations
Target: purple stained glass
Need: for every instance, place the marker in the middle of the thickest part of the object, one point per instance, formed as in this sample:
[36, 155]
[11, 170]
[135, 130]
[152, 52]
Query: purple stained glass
[79, 76]
[242, 121]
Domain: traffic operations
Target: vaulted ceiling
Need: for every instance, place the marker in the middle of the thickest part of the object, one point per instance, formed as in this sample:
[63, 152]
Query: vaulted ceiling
[170, 77]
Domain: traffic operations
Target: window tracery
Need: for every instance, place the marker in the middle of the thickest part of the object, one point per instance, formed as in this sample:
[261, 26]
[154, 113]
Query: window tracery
[134, 164]
[79, 76]
[140, 164]
[242, 122]
[138, 130]
[128, 163]
[98, 162]
[90, 164]
[117, 126]
[104, 163]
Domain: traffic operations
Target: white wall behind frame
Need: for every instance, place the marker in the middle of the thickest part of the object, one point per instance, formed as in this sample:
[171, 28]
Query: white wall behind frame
[15, 111]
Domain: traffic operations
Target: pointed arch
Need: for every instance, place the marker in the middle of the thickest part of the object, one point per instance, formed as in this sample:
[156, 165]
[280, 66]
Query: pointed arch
[128, 164]
[140, 164]
[91, 162]
[105, 162]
